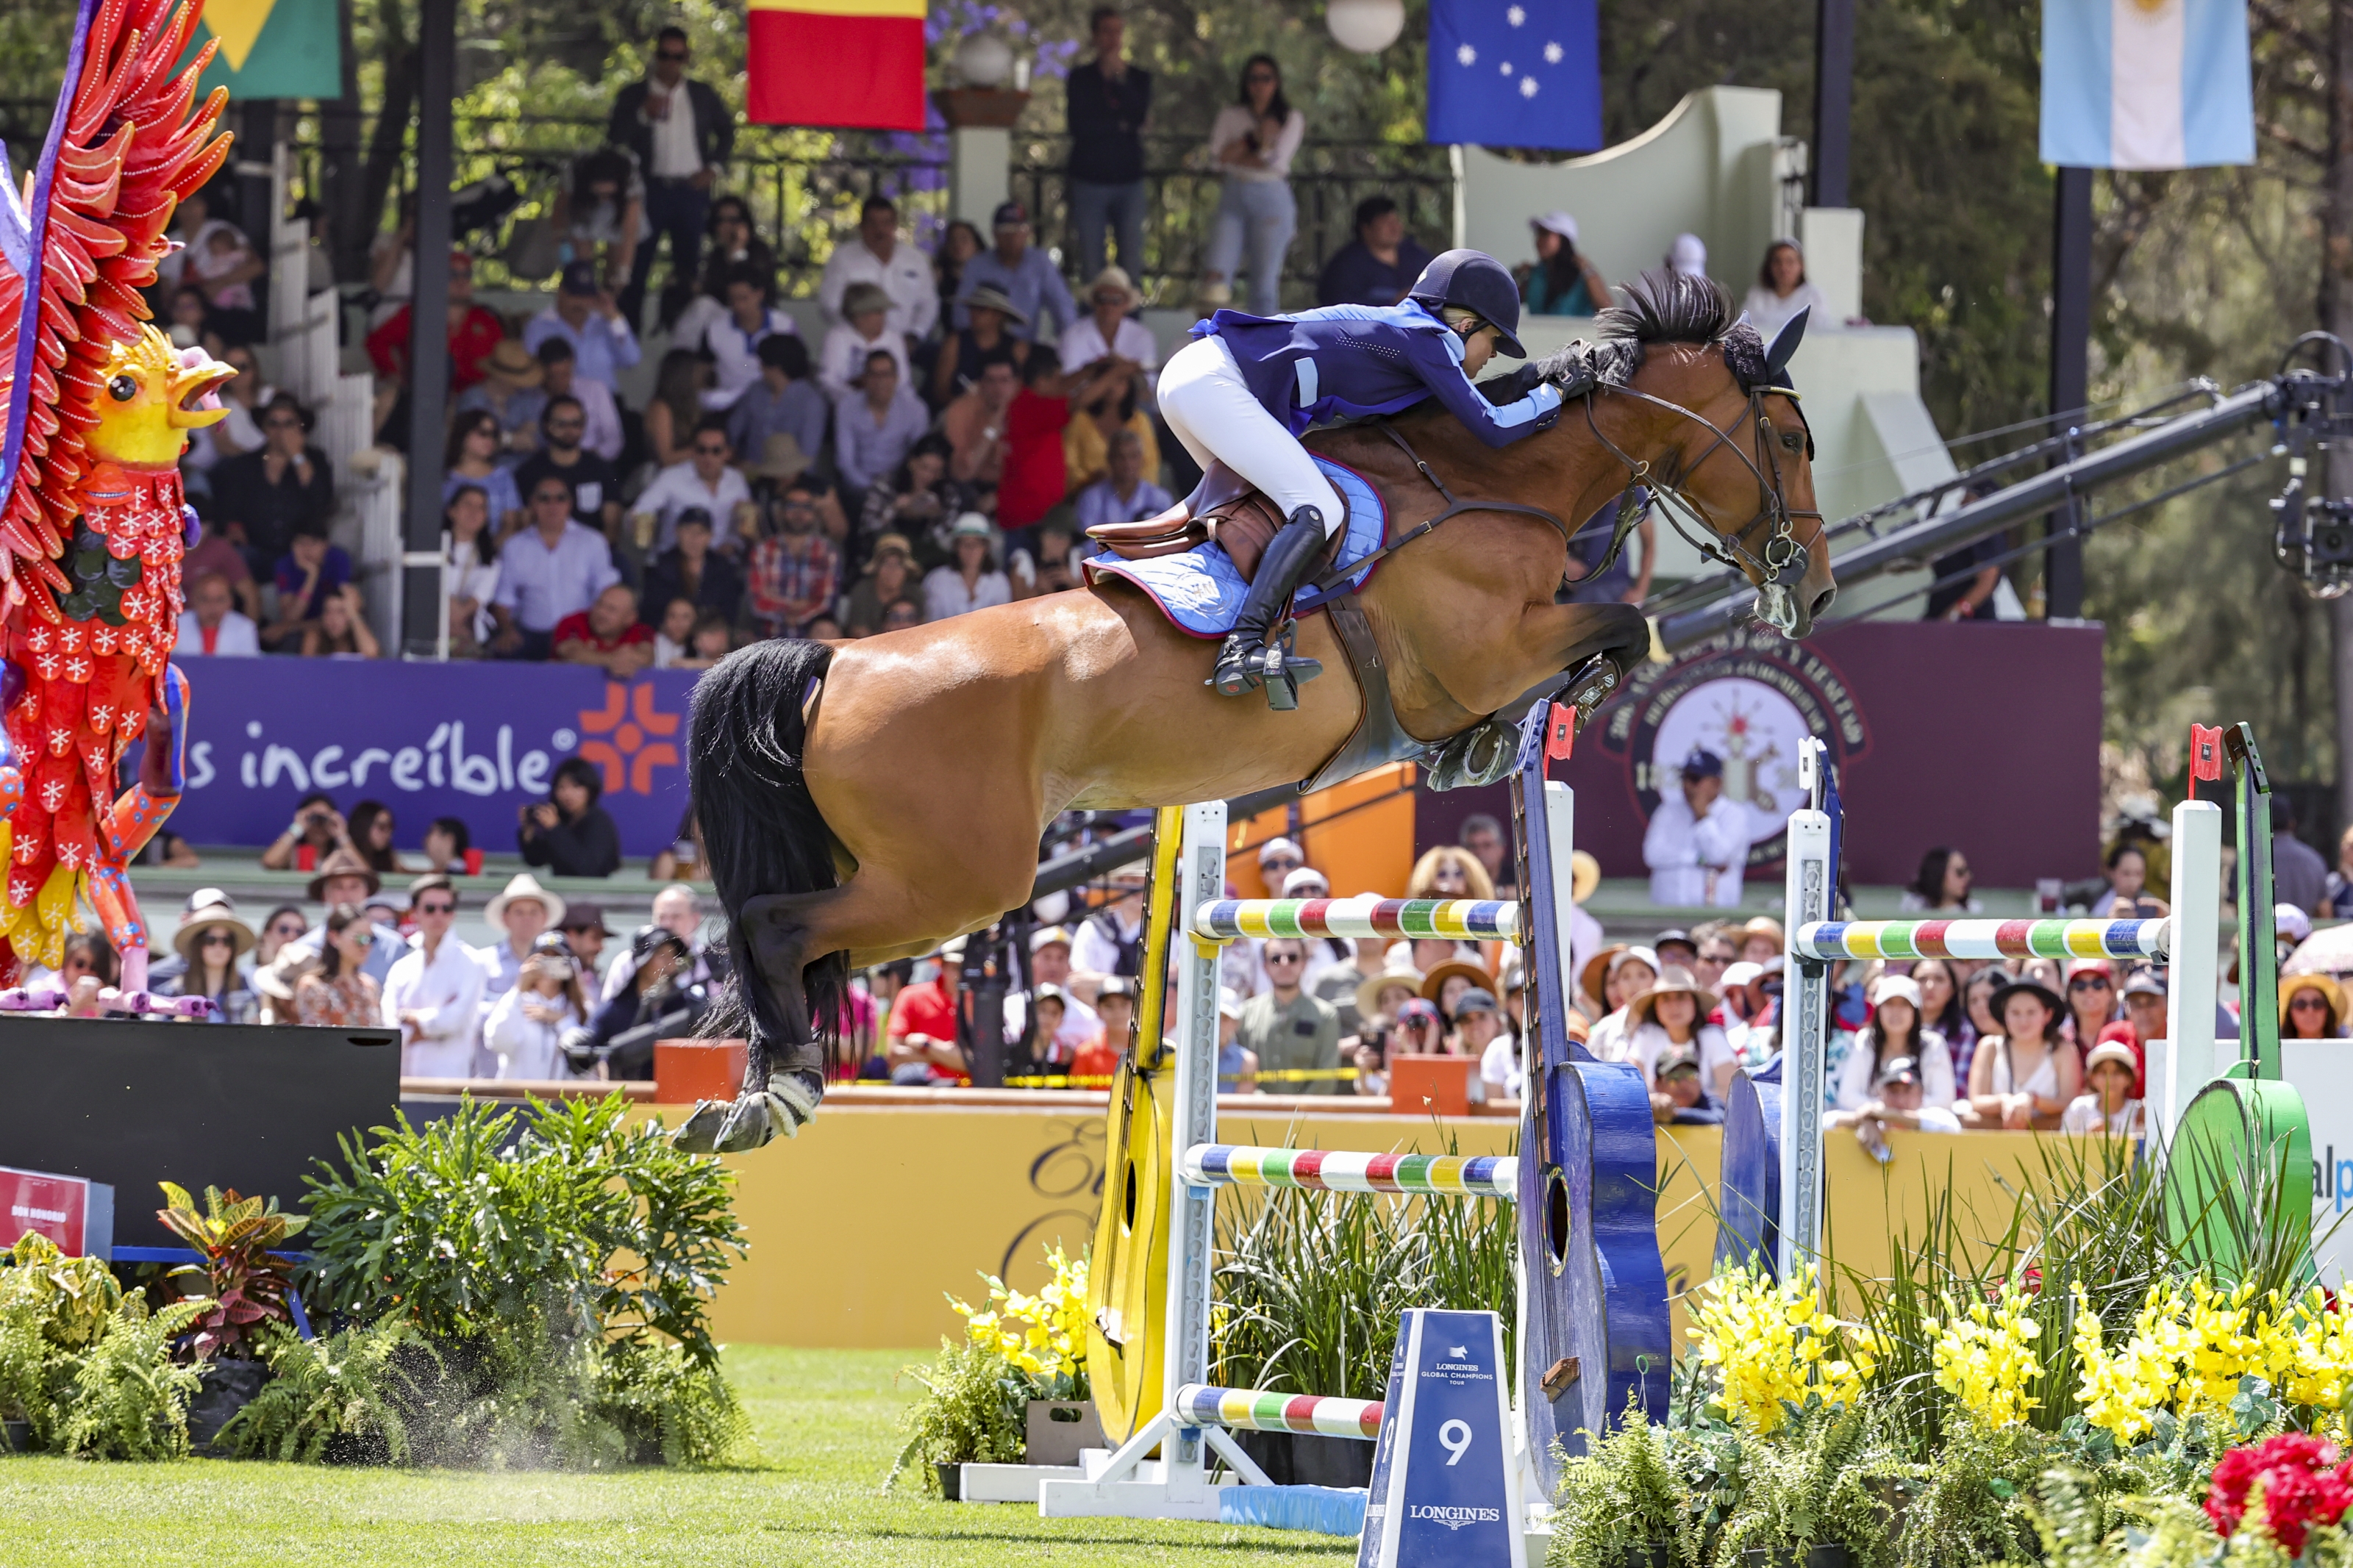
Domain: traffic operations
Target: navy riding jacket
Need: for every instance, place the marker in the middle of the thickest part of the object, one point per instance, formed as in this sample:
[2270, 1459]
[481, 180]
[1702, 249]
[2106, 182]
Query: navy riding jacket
[1354, 361]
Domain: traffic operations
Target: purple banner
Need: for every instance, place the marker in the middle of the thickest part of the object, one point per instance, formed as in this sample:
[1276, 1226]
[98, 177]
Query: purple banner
[477, 741]
[1984, 738]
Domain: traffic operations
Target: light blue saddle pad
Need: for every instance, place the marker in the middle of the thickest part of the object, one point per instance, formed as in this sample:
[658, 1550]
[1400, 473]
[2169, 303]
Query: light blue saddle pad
[1201, 590]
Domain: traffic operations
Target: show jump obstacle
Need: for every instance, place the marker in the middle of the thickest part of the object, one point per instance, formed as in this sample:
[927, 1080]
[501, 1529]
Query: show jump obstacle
[1593, 1317]
[1770, 1205]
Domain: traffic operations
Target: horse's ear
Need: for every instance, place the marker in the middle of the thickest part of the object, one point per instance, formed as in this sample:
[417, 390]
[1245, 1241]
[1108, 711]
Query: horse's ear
[1785, 343]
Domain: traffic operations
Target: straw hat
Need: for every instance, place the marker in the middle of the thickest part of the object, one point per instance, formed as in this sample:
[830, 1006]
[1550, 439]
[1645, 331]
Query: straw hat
[1434, 983]
[1765, 925]
[2330, 992]
[781, 458]
[989, 297]
[1112, 279]
[212, 916]
[514, 363]
[1673, 981]
[1584, 876]
[524, 886]
[342, 863]
[1595, 973]
[1368, 990]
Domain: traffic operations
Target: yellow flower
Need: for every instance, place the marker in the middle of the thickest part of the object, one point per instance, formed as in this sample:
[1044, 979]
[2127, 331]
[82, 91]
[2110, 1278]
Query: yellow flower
[1773, 1343]
[1984, 1358]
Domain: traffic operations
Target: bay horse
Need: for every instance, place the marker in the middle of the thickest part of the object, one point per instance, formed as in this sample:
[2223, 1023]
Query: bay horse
[865, 801]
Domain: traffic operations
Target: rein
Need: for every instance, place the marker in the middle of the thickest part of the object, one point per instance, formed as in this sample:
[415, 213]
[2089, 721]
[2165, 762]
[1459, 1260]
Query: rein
[1781, 552]
[1331, 577]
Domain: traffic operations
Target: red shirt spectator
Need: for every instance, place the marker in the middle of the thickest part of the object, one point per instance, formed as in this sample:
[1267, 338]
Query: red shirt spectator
[1094, 1064]
[575, 627]
[925, 1009]
[474, 331]
[1035, 475]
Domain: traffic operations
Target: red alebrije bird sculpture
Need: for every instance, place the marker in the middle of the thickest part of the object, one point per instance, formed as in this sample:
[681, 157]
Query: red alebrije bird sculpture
[95, 409]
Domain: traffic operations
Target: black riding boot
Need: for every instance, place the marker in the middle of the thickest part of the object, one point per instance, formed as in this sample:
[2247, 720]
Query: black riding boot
[1246, 662]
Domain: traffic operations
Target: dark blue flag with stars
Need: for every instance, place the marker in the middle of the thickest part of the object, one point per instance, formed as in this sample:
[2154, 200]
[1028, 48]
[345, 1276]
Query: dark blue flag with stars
[1515, 73]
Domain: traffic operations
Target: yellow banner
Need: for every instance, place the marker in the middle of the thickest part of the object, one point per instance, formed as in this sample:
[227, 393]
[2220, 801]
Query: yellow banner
[844, 7]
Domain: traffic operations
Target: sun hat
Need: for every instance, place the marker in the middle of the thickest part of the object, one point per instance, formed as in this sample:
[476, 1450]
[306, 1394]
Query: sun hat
[1369, 989]
[1674, 980]
[212, 916]
[884, 544]
[1584, 876]
[523, 885]
[342, 863]
[512, 361]
[586, 915]
[989, 297]
[1595, 973]
[1556, 222]
[971, 525]
[1764, 925]
[1999, 1001]
[781, 458]
[1111, 277]
[1433, 983]
[2330, 992]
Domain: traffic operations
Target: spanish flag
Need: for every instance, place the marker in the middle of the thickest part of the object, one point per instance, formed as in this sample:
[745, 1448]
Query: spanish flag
[850, 63]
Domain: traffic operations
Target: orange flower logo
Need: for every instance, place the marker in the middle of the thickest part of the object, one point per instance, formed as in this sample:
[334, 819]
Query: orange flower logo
[638, 738]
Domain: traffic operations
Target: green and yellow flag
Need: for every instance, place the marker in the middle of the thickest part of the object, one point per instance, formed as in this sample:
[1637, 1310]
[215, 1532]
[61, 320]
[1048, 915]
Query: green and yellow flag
[272, 48]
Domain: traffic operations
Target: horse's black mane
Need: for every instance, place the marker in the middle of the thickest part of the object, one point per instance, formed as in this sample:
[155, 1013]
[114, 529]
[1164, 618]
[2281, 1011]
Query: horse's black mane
[1661, 307]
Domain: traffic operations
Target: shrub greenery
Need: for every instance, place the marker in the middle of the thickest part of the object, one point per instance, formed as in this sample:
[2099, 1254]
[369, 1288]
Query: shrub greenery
[89, 1370]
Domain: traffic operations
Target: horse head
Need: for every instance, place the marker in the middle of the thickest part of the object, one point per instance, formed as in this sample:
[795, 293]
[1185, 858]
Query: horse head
[1730, 458]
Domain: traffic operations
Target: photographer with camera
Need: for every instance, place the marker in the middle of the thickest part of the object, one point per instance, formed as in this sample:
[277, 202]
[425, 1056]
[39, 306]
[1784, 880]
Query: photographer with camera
[660, 1001]
[313, 835]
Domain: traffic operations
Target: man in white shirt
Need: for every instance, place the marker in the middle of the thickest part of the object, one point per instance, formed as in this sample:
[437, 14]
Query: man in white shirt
[522, 910]
[1108, 328]
[434, 993]
[876, 256]
[704, 479]
[210, 626]
[734, 340]
[681, 133]
[1698, 841]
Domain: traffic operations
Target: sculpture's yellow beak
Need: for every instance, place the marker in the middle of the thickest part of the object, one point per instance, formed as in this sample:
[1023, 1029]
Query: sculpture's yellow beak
[149, 395]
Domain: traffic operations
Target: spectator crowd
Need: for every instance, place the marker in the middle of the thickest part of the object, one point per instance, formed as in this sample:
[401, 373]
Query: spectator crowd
[940, 444]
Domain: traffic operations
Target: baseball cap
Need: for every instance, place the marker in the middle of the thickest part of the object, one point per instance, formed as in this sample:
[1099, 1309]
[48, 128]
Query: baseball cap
[1676, 1059]
[1475, 1000]
[971, 525]
[1305, 881]
[2144, 982]
[2291, 922]
[579, 278]
[1010, 215]
[1275, 848]
[1703, 764]
[1228, 1004]
[1049, 937]
[1903, 1069]
[1741, 973]
[2115, 1051]
[2098, 966]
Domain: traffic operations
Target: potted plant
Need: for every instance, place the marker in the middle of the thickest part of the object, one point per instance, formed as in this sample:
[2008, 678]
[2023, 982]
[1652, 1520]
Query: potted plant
[247, 1283]
[1044, 1338]
[969, 1415]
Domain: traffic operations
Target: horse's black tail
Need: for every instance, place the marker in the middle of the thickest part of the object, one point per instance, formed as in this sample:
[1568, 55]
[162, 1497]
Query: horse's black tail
[761, 830]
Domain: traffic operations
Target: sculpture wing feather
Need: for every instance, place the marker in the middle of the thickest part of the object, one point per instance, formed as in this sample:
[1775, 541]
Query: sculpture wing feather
[78, 242]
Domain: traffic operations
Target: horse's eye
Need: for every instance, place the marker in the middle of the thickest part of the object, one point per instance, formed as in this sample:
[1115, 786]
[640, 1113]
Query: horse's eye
[1792, 441]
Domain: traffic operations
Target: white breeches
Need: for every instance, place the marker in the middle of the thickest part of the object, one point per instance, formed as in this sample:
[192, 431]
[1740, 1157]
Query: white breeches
[1211, 408]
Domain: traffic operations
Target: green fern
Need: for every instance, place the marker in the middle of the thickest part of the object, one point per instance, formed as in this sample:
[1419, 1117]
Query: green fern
[339, 1398]
[971, 1414]
[1619, 1495]
[130, 1398]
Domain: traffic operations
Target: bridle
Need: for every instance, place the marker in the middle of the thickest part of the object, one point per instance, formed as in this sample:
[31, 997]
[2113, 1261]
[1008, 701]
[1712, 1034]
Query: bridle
[1776, 603]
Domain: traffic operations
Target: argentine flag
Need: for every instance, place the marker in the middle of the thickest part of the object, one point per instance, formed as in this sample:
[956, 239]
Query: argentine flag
[2146, 84]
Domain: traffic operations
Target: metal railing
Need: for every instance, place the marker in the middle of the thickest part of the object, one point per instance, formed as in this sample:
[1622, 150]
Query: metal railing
[805, 188]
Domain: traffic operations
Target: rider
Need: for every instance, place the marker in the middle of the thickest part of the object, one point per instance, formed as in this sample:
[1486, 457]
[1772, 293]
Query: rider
[1246, 386]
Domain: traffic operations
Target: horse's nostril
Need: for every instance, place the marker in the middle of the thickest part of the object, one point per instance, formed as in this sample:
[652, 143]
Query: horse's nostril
[1822, 600]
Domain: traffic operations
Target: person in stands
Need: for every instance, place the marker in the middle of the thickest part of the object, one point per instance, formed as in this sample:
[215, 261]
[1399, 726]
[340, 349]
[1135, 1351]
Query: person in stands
[1561, 281]
[1108, 100]
[2312, 1007]
[877, 426]
[2107, 1104]
[563, 452]
[1125, 493]
[972, 580]
[1024, 274]
[920, 1040]
[209, 623]
[1252, 142]
[1288, 1029]
[339, 991]
[691, 570]
[1782, 291]
[607, 634]
[794, 572]
[682, 133]
[706, 479]
[263, 496]
[785, 401]
[433, 994]
[312, 574]
[551, 571]
[586, 316]
[1110, 327]
[524, 1029]
[877, 257]
[967, 355]
[1942, 885]
[1378, 265]
[2026, 1075]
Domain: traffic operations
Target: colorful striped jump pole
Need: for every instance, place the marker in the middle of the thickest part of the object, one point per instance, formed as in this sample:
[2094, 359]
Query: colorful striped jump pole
[1464, 920]
[1334, 1171]
[1252, 1410]
[1985, 939]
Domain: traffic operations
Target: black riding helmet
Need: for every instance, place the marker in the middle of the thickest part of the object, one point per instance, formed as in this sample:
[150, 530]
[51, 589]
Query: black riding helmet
[1476, 281]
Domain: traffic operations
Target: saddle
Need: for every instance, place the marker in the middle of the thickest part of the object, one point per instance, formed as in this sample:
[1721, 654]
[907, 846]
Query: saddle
[1225, 508]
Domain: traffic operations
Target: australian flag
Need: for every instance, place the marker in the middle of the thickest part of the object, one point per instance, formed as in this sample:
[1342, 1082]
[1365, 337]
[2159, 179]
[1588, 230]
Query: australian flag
[1515, 73]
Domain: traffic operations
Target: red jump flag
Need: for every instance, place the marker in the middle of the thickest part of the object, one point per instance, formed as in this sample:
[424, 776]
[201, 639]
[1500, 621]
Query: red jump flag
[2205, 756]
[849, 63]
[1560, 733]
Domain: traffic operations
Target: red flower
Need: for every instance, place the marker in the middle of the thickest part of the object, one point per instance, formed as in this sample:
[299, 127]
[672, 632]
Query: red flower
[2305, 1483]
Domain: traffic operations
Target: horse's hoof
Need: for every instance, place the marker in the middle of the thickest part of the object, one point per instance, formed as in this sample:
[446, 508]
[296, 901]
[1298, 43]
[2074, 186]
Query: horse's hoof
[747, 1126]
[698, 1133]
